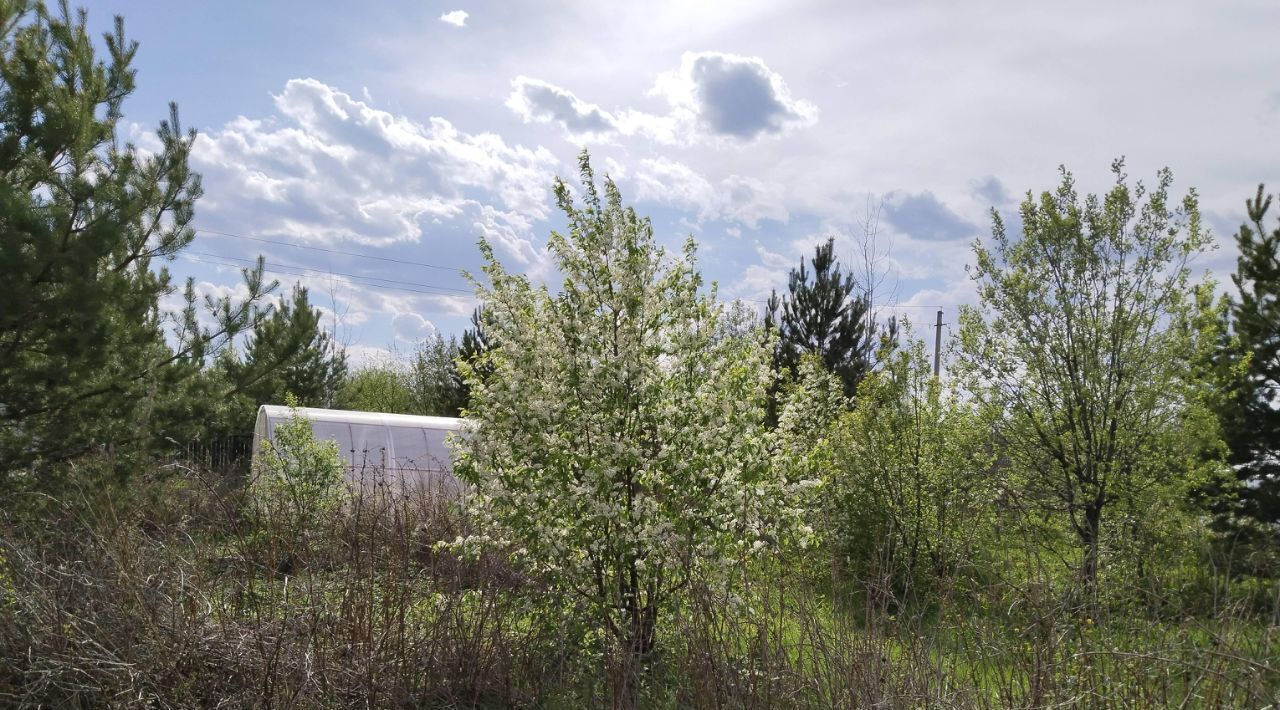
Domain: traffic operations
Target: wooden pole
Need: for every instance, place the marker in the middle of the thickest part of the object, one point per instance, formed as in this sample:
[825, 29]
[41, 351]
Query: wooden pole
[937, 347]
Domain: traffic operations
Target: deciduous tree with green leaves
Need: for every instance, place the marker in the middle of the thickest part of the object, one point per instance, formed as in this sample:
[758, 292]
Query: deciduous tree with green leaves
[618, 448]
[1093, 338]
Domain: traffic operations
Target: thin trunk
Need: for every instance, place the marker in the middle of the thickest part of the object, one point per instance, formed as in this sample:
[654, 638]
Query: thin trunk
[1090, 538]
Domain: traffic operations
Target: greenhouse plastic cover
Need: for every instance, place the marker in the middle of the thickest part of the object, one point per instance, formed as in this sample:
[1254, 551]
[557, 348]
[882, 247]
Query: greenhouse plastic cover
[398, 449]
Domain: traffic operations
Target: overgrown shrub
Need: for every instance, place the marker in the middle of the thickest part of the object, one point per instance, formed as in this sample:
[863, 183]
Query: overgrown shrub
[911, 481]
[297, 485]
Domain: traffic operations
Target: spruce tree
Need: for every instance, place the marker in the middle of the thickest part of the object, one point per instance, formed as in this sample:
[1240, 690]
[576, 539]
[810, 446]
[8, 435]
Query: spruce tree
[821, 314]
[437, 385]
[86, 222]
[475, 340]
[1251, 420]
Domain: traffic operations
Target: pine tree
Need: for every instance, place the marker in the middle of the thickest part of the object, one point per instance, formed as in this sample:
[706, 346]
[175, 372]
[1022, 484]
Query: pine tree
[475, 340]
[289, 353]
[821, 314]
[85, 220]
[1251, 420]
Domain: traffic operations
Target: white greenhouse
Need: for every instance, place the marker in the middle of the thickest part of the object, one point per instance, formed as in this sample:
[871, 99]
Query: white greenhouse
[401, 450]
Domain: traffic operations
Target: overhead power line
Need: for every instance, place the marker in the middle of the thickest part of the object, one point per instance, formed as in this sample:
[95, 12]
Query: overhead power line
[324, 272]
[329, 271]
[406, 262]
[325, 250]
[284, 270]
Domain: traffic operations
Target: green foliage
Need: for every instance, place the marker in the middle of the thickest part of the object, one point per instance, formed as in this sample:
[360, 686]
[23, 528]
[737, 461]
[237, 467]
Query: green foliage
[298, 484]
[475, 340]
[1093, 339]
[377, 388]
[811, 404]
[429, 384]
[1250, 417]
[820, 314]
[618, 449]
[288, 353]
[912, 480]
[438, 388]
[84, 361]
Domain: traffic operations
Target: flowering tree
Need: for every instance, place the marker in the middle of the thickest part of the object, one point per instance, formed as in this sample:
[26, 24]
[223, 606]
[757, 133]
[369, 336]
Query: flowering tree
[619, 448]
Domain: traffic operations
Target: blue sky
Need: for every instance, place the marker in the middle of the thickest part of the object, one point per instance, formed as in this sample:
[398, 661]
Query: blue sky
[404, 131]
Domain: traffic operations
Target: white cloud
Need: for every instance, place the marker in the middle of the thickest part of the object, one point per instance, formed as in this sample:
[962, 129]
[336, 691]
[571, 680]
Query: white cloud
[412, 328]
[537, 101]
[950, 107]
[713, 97]
[923, 216]
[740, 199]
[733, 96]
[457, 18]
[330, 169]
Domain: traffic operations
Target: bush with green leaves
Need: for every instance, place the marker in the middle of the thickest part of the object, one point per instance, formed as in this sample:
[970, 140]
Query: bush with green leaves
[912, 478]
[618, 448]
[378, 387]
[298, 484]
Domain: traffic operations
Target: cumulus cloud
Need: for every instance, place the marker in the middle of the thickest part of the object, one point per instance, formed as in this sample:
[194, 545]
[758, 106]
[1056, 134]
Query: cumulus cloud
[736, 198]
[992, 191]
[411, 328]
[734, 96]
[761, 279]
[923, 216]
[325, 169]
[457, 18]
[538, 101]
[713, 97]
[330, 169]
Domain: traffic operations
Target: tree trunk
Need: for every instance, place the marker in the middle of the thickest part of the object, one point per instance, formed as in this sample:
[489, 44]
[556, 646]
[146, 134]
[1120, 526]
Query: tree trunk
[1090, 538]
[641, 630]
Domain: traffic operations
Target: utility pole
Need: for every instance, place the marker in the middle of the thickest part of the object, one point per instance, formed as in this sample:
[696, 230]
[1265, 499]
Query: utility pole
[937, 347]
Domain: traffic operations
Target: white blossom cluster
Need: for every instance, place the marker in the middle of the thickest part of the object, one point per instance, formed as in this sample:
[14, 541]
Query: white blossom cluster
[618, 445]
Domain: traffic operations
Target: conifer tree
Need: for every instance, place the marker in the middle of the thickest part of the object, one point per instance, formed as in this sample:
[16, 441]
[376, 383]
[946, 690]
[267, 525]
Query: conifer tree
[1251, 420]
[289, 353]
[821, 314]
[86, 222]
[438, 388]
[475, 340]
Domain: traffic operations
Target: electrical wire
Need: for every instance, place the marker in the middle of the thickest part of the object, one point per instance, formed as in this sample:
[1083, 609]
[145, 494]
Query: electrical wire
[328, 251]
[390, 260]
[284, 271]
[323, 272]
